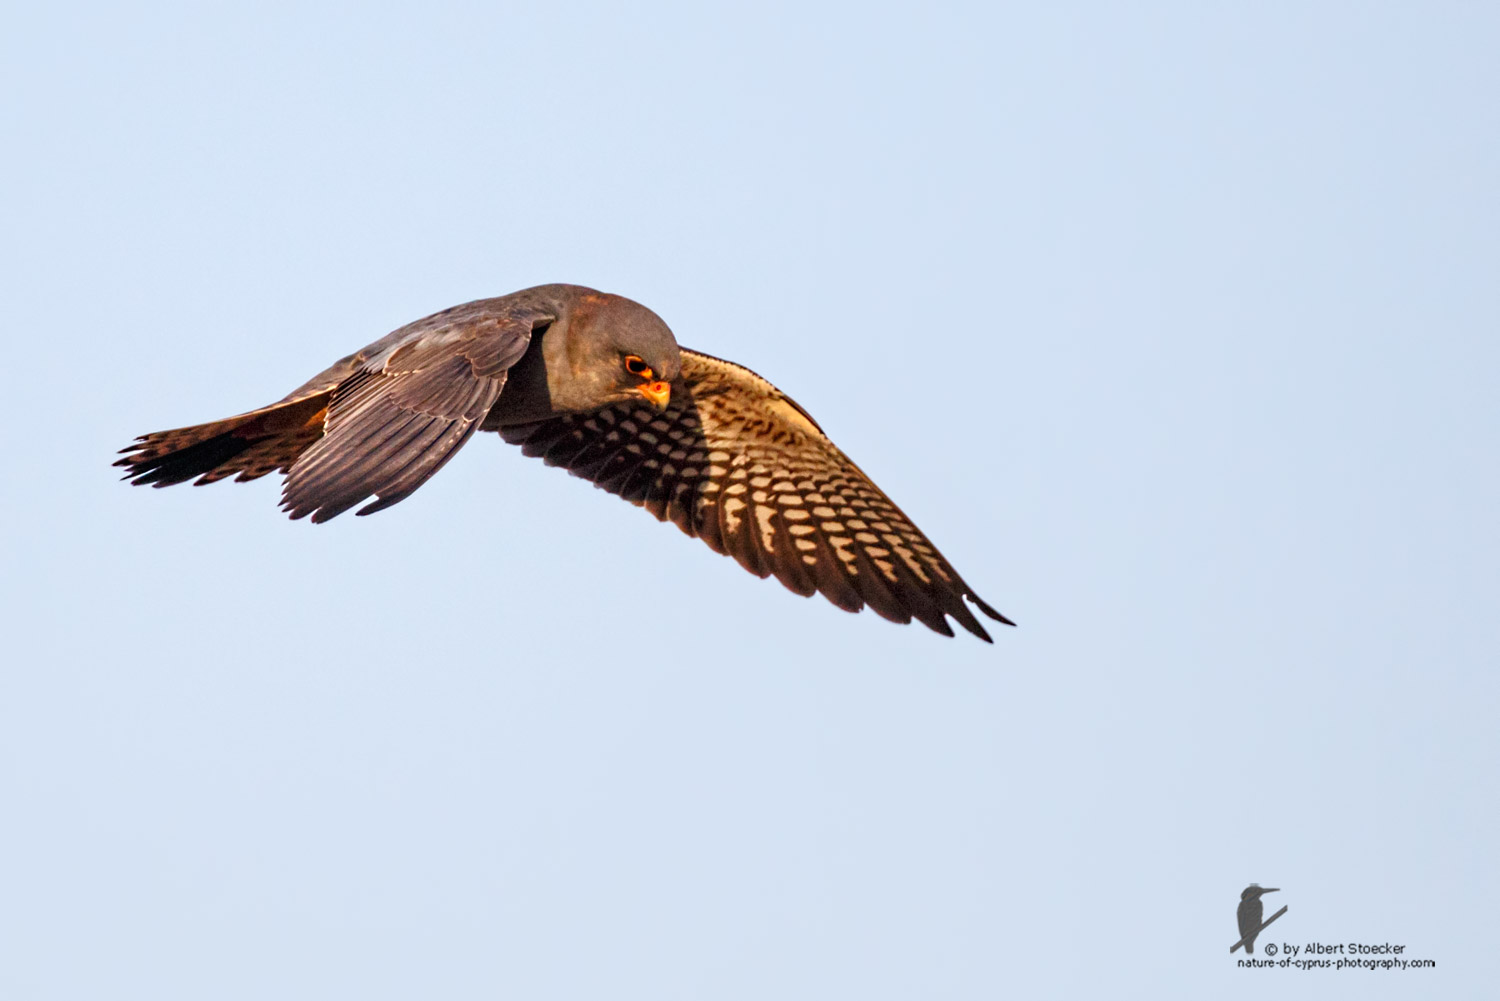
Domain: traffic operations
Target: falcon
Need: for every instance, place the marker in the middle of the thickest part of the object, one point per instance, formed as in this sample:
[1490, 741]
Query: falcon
[597, 384]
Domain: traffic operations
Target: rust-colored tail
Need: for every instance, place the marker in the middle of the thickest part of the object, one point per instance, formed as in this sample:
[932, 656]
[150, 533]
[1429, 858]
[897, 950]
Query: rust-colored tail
[252, 445]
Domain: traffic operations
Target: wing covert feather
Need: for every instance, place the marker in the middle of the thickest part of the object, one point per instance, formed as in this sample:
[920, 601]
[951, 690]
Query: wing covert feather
[412, 401]
[736, 463]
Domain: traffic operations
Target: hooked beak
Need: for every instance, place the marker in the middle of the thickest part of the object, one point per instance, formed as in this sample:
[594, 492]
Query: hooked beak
[658, 392]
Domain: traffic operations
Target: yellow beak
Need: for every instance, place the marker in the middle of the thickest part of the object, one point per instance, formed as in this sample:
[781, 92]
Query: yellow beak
[659, 393]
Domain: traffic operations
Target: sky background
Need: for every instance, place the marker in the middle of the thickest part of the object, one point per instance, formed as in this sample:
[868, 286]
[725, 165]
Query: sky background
[1174, 326]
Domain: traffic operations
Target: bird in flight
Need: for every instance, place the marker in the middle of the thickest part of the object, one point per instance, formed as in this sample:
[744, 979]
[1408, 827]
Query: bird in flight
[597, 384]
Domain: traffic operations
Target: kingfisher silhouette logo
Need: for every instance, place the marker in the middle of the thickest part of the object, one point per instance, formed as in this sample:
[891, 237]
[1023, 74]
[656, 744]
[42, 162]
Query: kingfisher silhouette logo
[1309, 954]
[1249, 916]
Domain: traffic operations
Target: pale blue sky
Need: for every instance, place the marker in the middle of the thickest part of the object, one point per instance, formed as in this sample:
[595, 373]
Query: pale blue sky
[1174, 326]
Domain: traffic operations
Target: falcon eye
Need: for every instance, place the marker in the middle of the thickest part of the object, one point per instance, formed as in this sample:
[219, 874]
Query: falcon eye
[635, 366]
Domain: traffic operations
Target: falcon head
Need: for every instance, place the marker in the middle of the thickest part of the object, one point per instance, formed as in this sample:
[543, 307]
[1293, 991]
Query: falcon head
[616, 351]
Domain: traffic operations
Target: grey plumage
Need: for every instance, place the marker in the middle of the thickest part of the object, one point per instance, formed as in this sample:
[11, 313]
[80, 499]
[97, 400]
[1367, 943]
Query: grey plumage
[597, 384]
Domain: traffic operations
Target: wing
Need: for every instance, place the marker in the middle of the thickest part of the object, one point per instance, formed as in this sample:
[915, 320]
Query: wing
[734, 462]
[408, 407]
[379, 421]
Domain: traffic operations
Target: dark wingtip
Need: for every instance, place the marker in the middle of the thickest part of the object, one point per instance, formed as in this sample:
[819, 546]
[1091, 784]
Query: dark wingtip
[938, 624]
[987, 610]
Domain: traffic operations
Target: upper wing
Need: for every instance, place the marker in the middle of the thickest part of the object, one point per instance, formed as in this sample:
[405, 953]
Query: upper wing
[411, 400]
[739, 465]
[390, 414]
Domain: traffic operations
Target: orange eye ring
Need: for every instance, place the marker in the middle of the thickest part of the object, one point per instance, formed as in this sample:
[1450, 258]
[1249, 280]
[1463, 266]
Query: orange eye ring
[636, 365]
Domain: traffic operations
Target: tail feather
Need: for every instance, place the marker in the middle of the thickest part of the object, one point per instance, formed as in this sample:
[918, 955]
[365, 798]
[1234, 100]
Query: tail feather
[252, 445]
